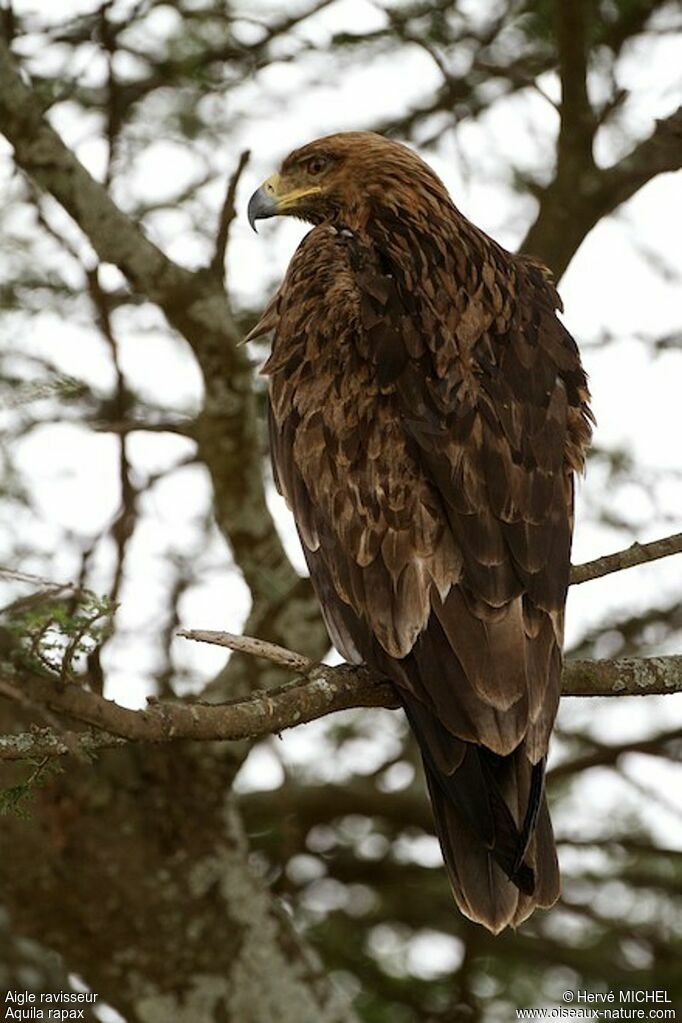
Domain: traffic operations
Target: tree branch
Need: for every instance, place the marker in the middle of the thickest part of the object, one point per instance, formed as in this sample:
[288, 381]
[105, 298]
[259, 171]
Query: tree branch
[227, 215]
[637, 554]
[323, 690]
[319, 690]
[227, 431]
[576, 132]
[571, 206]
[40, 152]
[660, 153]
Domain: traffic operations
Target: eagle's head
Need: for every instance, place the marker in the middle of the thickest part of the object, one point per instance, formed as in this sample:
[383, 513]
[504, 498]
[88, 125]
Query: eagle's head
[347, 179]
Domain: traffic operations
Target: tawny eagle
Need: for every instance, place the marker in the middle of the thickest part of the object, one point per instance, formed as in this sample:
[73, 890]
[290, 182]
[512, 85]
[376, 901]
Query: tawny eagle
[428, 411]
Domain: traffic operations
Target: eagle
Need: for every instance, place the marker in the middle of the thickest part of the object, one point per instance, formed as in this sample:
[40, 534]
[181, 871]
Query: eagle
[427, 414]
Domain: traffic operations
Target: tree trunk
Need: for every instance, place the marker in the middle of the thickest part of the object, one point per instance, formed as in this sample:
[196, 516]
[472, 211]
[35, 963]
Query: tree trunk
[136, 869]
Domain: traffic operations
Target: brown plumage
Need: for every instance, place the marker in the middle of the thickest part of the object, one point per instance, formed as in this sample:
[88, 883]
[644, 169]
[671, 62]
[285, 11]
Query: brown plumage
[427, 413]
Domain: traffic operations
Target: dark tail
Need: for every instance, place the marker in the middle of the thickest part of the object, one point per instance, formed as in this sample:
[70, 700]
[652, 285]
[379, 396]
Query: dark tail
[492, 823]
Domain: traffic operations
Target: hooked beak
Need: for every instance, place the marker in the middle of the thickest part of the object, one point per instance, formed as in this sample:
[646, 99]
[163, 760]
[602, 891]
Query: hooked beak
[270, 200]
[264, 202]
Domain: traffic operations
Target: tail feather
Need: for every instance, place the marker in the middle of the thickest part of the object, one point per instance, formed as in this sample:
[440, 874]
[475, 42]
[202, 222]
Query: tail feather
[492, 822]
[535, 797]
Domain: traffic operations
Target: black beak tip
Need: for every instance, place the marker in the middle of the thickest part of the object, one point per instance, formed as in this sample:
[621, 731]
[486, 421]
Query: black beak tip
[251, 213]
[261, 205]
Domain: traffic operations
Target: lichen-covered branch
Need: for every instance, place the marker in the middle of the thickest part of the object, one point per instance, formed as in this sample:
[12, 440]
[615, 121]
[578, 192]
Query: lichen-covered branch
[323, 690]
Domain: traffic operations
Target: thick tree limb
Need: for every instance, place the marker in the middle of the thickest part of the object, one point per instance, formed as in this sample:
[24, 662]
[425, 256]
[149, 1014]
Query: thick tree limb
[571, 205]
[322, 691]
[659, 153]
[576, 131]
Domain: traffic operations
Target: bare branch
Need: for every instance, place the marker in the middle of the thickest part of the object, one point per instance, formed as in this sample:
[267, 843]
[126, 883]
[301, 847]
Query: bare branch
[251, 645]
[16, 575]
[227, 215]
[637, 554]
[40, 152]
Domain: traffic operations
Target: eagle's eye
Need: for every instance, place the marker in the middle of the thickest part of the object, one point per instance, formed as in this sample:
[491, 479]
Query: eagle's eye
[315, 165]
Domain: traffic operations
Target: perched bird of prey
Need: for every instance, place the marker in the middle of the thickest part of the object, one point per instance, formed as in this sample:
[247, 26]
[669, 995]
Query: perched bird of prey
[428, 411]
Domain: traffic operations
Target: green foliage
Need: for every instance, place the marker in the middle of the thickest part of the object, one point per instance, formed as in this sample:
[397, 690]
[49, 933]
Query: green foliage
[15, 798]
[52, 633]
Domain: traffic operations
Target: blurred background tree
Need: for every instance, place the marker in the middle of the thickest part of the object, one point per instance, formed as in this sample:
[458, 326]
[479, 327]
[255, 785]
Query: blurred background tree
[134, 465]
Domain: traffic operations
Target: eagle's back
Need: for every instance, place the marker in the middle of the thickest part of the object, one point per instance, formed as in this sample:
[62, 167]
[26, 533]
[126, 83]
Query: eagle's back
[427, 412]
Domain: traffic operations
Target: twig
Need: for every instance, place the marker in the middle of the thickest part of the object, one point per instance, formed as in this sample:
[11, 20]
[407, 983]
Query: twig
[123, 427]
[251, 645]
[36, 580]
[227, 215]
[637, 554]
